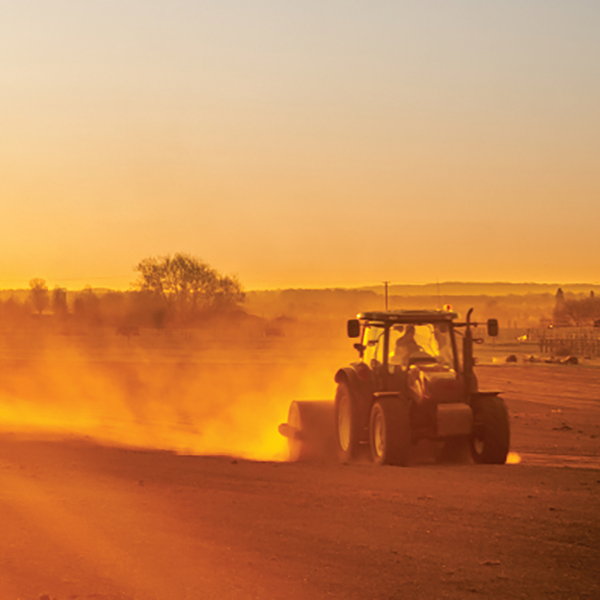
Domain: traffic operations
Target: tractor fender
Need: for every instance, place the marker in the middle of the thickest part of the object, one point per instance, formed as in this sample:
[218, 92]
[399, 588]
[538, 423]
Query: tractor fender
[361, 390]
[348, 375]
[477, 398]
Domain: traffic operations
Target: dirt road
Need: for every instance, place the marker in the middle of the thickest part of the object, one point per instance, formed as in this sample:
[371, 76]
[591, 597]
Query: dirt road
[82, 521]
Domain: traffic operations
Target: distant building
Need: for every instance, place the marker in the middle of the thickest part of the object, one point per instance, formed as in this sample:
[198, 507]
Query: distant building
[561, 315]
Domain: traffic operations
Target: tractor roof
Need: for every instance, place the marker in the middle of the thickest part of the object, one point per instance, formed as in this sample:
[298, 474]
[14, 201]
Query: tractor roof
[408, 316]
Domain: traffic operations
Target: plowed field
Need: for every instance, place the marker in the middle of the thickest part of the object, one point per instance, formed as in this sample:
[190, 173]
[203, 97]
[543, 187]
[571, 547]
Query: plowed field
[81, 519]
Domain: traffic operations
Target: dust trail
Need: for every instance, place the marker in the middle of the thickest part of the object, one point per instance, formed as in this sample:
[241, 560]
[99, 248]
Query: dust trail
[159, 391]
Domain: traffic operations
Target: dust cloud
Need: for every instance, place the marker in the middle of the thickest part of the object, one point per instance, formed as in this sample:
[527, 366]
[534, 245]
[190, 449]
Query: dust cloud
[161, 390]
[223, 389]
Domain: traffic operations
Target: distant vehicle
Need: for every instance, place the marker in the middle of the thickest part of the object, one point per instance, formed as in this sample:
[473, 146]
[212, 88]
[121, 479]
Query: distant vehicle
[408, 385]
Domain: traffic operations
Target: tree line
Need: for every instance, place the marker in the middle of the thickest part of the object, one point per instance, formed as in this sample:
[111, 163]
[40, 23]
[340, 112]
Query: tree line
[179, 290]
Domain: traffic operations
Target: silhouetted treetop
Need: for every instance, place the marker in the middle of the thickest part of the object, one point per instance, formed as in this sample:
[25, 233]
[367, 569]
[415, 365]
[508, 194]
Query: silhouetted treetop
[38, 294]
[187, 286]
[59, 301]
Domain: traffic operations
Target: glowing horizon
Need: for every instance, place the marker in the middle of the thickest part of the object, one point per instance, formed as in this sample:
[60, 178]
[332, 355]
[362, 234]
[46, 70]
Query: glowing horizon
[300, 145]
[115, 285]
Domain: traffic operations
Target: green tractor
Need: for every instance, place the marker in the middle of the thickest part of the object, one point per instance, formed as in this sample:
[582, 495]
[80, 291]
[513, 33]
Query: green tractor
[408, 385]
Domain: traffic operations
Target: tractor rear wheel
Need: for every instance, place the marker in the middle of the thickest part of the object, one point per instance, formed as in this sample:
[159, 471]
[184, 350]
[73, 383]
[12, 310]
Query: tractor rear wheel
[389, 432]
[348, 425]
[491, 436]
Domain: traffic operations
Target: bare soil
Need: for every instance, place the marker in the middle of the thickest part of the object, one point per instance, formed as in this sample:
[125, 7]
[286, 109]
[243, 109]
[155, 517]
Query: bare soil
[81, 520]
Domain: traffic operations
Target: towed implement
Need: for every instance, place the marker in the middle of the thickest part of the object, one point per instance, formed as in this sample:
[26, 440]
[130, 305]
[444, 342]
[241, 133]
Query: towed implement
[409, 384]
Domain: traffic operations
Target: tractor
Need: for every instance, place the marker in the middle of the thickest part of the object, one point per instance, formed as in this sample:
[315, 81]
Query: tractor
[409, 384]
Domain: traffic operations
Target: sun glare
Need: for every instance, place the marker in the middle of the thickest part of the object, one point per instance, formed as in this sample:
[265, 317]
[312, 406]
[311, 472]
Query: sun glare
[513, 458]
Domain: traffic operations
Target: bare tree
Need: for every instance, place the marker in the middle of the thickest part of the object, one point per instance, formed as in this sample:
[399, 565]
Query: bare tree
[38, 294]
[186, 286]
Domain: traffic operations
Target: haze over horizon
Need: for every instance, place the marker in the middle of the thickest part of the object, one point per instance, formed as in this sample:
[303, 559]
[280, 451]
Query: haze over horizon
[301, 144]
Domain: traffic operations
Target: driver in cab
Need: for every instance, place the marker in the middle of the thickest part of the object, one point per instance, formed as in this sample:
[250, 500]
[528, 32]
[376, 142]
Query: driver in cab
[406, 346]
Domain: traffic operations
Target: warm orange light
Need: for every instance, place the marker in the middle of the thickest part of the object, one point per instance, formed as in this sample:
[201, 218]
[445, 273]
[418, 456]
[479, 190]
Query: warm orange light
[513, 458]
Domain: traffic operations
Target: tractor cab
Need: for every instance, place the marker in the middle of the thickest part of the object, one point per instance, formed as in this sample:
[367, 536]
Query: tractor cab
[399, 345]
[400, 349]
[401, 341]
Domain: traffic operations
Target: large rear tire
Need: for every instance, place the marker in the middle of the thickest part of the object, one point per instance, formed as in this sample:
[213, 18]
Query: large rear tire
[389, 432]
[490, 442]
[348, 424]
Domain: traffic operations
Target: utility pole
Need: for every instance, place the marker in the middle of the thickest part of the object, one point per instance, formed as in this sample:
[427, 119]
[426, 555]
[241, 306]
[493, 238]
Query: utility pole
[386, 293]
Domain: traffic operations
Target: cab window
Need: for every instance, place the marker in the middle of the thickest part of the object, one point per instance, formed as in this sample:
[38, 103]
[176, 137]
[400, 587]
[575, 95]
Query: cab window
[422, 342]
[373, 342]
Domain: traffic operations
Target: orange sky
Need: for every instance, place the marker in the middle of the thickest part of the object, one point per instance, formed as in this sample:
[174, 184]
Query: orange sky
[300, 143]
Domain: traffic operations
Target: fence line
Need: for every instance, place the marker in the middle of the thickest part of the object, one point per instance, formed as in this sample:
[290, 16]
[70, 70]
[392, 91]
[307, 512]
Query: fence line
[577, 346]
